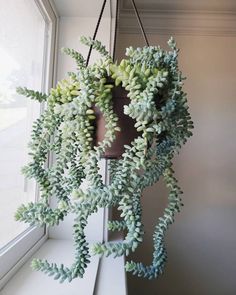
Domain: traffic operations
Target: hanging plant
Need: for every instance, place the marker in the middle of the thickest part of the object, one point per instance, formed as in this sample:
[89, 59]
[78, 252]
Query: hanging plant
[159, 110]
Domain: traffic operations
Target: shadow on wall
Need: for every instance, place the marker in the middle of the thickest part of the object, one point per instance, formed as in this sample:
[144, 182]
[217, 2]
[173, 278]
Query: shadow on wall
[154, 202]
[201, 243]
[201, 257]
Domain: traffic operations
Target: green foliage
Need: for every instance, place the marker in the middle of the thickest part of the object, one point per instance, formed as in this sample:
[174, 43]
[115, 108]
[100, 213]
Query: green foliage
[35, 95]
[159, 107]
[40, 214]
[82, 256]
[80, 61]
[97, 45]
[116, 225]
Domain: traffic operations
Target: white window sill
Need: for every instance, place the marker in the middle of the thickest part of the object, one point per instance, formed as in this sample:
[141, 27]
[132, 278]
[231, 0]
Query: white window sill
[28, 282]
[111, 278]
[103, 277]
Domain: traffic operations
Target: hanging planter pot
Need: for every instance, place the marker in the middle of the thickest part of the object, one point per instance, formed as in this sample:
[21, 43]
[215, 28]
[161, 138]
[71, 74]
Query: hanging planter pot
[126, 124]
[120, 99]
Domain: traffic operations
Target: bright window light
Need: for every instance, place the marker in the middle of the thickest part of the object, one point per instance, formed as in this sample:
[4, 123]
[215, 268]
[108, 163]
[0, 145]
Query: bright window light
[22, 43]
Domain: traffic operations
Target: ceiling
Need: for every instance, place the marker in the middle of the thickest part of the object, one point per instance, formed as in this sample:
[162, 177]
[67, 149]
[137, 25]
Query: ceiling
[206, 17]
[91, 8]
[180, 5]
[81, 8]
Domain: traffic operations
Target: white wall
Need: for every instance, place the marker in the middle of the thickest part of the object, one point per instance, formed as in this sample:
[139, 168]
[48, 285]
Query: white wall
[202, 242]
[70, 31]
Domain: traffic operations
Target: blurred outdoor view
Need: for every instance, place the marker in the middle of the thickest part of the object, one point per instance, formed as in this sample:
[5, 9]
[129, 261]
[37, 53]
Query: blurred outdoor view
[22, 35]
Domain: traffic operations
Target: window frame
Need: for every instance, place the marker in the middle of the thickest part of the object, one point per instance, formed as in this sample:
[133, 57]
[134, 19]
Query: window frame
[16, 252]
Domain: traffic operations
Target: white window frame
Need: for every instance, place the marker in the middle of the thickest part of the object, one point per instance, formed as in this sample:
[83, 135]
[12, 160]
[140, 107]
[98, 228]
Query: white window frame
[16, 252]
[108, 271]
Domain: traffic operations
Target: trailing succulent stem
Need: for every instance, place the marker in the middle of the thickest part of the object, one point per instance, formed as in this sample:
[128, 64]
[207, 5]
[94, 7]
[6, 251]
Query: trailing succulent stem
[158, 105]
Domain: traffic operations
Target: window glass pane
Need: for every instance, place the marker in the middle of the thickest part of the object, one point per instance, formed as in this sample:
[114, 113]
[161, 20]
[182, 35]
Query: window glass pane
[22, 35]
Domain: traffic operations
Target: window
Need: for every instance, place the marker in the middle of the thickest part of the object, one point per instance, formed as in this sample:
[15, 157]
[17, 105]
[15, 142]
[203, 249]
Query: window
[27, 34]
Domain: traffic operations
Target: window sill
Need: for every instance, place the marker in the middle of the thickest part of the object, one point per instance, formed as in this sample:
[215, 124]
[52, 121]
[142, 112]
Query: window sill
[111, 278]
[27, 281]
[101, 278]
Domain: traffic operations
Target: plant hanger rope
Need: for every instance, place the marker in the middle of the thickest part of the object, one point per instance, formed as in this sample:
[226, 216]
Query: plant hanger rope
[96, 30]
[140, 23]
[116, 27]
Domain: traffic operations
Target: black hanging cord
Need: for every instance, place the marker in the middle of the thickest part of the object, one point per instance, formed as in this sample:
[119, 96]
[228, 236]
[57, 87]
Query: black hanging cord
[96, 30]
[116, 26]
[140, 23]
